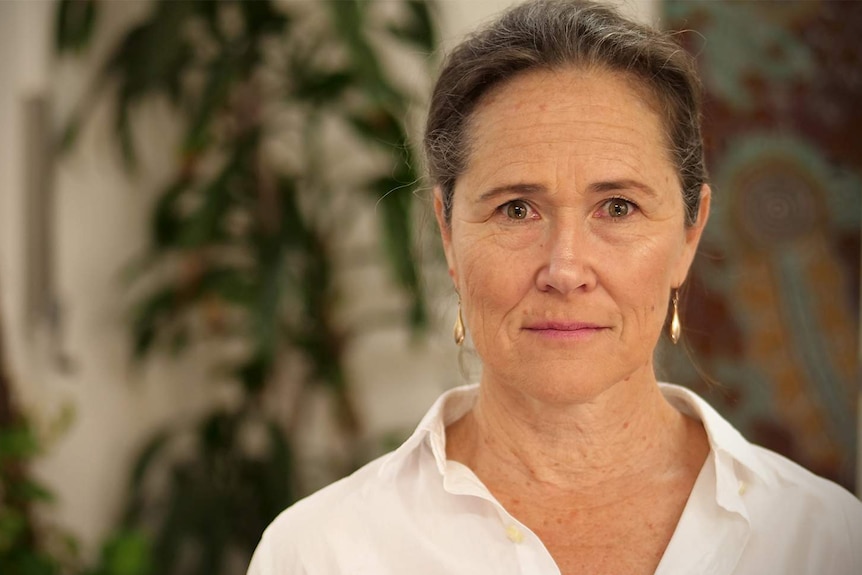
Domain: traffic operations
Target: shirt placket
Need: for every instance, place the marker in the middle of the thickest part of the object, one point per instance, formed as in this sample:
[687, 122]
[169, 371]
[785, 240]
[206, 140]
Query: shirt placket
[532, 556]
[713, 530]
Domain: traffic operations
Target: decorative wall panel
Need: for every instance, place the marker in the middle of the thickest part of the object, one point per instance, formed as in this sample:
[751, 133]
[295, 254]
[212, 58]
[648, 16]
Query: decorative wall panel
[771, 313]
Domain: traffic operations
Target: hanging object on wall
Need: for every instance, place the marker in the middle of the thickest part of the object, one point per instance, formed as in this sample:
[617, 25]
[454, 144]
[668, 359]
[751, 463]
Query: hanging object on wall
[774, 316]
[41, 306]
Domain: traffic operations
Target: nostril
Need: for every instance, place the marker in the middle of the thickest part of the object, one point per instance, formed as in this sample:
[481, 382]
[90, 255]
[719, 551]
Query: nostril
[566, 275]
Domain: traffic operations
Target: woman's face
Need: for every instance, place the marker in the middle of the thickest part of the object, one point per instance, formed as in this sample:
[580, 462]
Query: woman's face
[567, 234]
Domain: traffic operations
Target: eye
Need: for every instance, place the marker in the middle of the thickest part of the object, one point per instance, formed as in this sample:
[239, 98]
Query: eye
[618, 207]
[517, 210]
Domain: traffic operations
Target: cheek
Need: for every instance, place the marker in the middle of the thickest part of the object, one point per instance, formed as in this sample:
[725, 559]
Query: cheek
[481, 253]
[647, 278]
[489, 272]
[492, 279]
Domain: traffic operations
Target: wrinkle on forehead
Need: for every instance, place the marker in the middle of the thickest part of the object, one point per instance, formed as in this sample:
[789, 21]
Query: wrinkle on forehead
[526, 112]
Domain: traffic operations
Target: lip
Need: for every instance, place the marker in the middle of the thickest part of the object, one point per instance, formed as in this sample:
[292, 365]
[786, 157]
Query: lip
[562, 326]
[564, 329]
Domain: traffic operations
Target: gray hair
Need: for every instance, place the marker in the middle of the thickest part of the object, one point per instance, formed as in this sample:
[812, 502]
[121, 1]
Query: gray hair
[554, 34]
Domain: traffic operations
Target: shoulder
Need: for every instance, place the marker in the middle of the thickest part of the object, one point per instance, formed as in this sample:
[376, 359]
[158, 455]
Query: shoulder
[344, 526]
[298, 538]
[340, 525]
[792, 512]
[815, 522]
[798, 487]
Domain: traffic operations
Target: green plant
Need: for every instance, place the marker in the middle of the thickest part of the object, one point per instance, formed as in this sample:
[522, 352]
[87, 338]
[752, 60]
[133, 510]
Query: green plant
[248, 248]
[22, 551]
[27, 546]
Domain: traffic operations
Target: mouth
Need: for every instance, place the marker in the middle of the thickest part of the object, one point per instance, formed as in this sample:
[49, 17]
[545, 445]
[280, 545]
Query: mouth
[564, 330]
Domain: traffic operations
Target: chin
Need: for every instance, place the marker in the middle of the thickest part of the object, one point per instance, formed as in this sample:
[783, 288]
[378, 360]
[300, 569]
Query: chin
[562, 384]
[565, 380]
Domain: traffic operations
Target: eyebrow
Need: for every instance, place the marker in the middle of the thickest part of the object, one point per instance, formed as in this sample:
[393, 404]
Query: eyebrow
[622, 185]
[520, 189]
[597, 187]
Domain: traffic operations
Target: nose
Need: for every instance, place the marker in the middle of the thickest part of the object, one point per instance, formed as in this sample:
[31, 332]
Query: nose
[568, 260]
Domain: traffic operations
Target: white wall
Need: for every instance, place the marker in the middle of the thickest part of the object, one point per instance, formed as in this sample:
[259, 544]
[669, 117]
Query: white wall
[99, 224]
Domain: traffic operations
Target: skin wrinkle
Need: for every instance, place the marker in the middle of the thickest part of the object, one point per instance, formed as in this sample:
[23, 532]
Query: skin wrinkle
[572, 432]
[650, 102]
[643, 243]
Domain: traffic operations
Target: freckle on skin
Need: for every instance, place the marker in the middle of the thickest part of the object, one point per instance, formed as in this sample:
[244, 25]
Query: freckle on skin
[626, 425]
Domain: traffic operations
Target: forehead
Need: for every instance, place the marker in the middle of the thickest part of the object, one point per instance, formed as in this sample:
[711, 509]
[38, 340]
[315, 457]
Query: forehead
[543, 115]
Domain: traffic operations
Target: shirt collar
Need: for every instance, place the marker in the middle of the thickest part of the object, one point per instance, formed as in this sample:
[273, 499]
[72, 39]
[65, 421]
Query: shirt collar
[728, 446]
[723, 437]
[448, 408]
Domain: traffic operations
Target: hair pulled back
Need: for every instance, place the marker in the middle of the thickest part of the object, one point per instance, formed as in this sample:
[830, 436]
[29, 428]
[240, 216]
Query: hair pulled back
[556, 34]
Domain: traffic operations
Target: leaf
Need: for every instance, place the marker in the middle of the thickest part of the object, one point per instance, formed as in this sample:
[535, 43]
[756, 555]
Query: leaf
[419, 29]
[13, 526]
[76, 20]
[166, 225]
[230, 285]
[321, 88]
[262, 17]
[206, 225]
[148, 317]
[221, 76]
[127, 552]
[277, 490]
[294, 230]
[123, 128]
[150, 59]
[266, 316]
[28, 562]
[217, 431]
[148, 455]
[179, 341]
[17, 443]
[349, 16]
[27, 490]
[254, 373]
[69, 135]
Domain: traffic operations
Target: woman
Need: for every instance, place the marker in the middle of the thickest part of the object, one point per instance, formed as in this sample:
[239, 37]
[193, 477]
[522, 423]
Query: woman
[564, 143]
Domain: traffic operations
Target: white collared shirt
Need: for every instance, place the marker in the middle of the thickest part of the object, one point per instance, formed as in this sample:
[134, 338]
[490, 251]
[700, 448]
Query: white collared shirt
[413, 512]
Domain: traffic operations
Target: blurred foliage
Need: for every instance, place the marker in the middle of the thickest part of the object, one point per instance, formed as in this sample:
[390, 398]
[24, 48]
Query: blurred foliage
[22, 550]
[29, 544]
[247, 238]
[219, 496]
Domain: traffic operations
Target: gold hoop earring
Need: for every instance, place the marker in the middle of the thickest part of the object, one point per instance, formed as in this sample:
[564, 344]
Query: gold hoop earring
[675, 324]
[459, 332]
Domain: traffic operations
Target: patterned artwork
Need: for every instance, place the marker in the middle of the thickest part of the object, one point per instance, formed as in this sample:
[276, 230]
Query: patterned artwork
[771, 312]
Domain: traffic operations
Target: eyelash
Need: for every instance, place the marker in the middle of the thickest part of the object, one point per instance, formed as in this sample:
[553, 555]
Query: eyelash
[503, 210]
[603, 209]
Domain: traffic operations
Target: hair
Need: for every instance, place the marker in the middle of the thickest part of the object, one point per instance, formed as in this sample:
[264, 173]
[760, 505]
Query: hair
[557, 34]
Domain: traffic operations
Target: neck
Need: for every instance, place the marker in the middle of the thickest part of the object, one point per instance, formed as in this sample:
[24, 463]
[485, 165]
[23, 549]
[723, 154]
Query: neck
[606, 443]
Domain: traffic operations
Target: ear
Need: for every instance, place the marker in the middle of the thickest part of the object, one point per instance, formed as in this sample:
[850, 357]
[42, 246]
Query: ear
[445, 231]
[693, 234]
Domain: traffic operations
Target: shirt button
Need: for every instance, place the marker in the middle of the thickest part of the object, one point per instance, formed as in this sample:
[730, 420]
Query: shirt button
[742, 487]
[514, 534]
